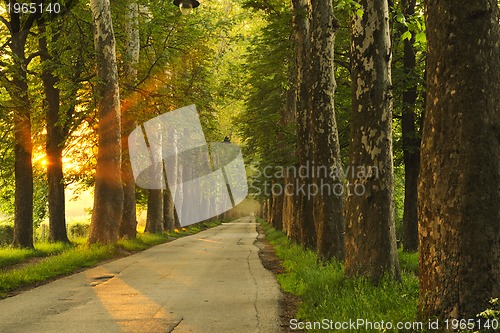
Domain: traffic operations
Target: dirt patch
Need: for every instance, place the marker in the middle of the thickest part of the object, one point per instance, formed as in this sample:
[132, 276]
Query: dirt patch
[288, 304]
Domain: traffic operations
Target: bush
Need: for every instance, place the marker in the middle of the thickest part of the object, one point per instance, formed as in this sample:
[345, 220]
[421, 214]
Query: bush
[79, 230]
[6, 235]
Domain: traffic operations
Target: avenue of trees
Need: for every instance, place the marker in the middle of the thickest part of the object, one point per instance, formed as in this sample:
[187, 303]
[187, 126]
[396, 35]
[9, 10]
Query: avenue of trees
[400, 94]
[384, 116]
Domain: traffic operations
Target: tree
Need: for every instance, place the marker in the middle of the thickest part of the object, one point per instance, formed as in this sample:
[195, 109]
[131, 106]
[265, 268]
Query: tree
[15, 81]
[328, 206]
[108, 193]
[301, 33]
[370, 231]
[57, 131]
[459, 193]
[154, 220]
[128, 222]
[410, 134]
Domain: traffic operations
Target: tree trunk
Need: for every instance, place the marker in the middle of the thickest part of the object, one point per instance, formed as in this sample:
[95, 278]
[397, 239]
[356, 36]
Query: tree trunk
[55, 141]
[168, 210]
[370, 233]
[303, 204]
[277, 212]
[328, 207]
[459, 187]
[128, 225]
[411, 140]
[23, 146]
[23, 170]
[108, 193]
[154, 220]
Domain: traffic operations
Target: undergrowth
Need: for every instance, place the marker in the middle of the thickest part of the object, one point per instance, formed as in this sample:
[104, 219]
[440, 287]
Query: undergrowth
[326, 293]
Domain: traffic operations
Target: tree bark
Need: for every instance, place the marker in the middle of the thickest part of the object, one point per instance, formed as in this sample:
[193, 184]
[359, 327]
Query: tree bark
[128, 225]
[304, 207]
[168, 210]
[459, 187]
[154, 220]
[328, 207]
[23, 146]
[108, 193]
[55, 141]
[370, 233]
[411, 140]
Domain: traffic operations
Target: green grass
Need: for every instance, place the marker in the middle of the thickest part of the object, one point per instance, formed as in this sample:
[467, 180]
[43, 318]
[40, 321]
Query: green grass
[64, 263]
[64, 259]
[11, 256]
[327, 294]
[409, 262]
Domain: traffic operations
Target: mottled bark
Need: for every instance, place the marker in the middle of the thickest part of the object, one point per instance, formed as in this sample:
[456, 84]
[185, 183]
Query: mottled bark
[459, 187]
[128, 225]
[303, 204]
[370, 233]
[411, 139]
[108, 193]
[55, 140]
[328, 207]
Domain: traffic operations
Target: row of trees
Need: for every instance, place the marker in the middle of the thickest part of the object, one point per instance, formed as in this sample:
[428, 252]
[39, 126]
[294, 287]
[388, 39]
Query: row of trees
[75, 83]
[393, 75]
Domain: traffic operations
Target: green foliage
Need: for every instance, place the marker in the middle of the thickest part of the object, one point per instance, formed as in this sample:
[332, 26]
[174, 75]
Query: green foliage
[268, 139]
[492, 312]
[6, 234]
[77, 230]
[351, 7]
[326, 293]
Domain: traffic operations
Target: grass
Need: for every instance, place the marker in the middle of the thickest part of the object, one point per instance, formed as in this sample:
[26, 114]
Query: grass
[327, 294]
[61, 259]
[11, 256]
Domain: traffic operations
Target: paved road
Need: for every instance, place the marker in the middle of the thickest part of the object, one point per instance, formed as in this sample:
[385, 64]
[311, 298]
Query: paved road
[209, 282]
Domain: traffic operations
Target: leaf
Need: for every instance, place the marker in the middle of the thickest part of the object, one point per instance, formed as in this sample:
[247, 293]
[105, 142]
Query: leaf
[421, 37]
[401, 18]
[406, 35]
[360, 13]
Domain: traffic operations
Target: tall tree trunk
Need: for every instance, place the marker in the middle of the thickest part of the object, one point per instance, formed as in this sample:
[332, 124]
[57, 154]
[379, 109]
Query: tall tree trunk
[108, 193]
[370, 232]
[301, 22]
[128, 225]
[55, 141]
[23, 146]
[459, 187]
[328, 207]
[411, 139]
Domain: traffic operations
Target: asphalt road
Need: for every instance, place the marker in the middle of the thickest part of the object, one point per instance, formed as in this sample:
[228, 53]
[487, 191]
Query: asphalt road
[209, 282]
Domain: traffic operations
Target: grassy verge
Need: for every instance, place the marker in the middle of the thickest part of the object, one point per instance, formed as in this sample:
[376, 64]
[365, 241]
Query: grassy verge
[65, 259]
[327, 294]
[12, 256]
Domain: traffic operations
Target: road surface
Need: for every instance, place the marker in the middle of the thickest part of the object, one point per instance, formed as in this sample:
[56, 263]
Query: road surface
[209, 282]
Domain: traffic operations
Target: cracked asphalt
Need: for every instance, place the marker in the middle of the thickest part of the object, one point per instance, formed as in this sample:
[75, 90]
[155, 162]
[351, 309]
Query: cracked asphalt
[213, 281]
